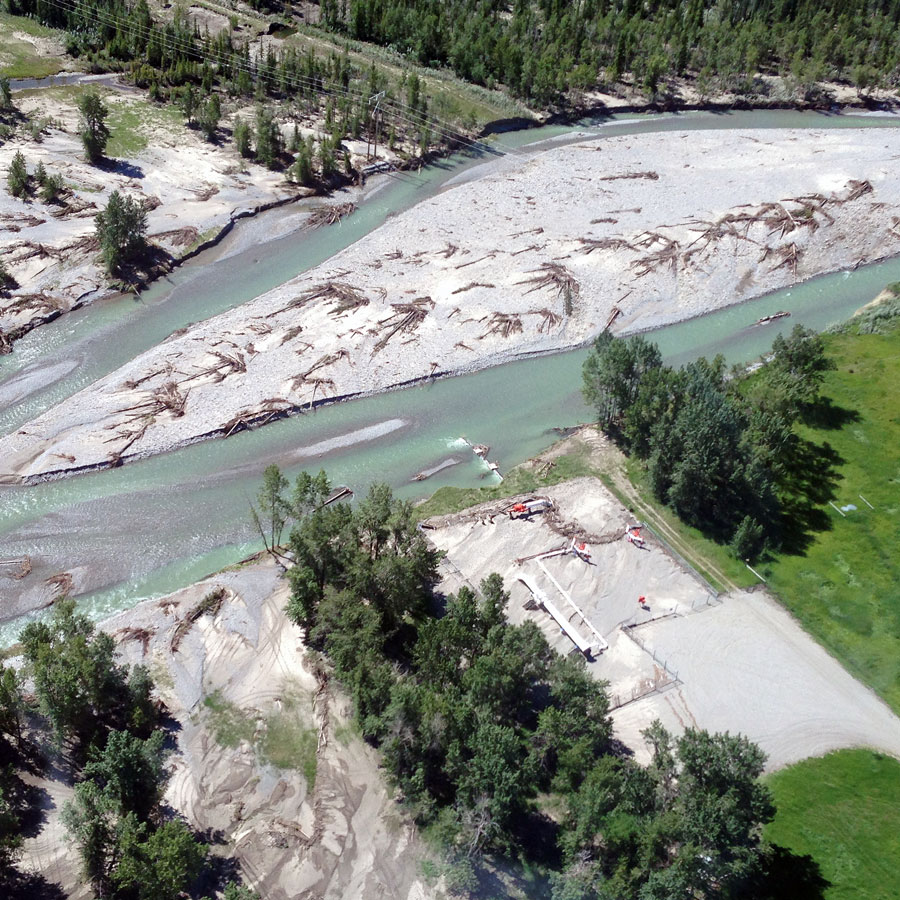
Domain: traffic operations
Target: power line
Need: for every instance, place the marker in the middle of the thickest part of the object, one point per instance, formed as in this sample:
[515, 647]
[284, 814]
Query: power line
[405, 114]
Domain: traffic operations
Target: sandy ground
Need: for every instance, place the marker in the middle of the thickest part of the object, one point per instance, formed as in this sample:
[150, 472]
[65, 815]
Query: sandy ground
[344, 838]
[739, 663]
[661, 227]
[194, 188]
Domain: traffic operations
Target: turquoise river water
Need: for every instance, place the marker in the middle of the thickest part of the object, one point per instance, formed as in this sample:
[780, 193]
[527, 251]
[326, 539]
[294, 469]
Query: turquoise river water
[155, 525]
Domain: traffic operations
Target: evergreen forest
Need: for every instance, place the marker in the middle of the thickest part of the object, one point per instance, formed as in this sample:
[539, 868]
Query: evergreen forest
[540, 50]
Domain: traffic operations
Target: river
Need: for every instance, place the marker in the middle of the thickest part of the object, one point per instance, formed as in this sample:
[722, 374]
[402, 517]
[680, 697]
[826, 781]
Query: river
[154, 525]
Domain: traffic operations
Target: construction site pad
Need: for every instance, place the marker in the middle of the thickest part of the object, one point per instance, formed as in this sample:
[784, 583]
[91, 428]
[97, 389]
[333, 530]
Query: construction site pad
[735, 662]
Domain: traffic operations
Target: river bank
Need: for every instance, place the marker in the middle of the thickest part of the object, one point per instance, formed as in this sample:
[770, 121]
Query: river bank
[529, 253]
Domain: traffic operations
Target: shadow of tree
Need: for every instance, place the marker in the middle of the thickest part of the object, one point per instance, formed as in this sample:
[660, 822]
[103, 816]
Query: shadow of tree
[826, 415]
[809, 481]
[30, 886]
[790, 876]
[121, 167]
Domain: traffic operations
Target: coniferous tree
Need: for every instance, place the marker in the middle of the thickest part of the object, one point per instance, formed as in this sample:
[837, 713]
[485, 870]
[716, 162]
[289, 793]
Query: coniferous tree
[92, 128]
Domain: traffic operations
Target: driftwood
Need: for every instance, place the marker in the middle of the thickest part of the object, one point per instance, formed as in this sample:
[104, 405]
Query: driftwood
[856, 189]
[290, 334]
[666, 256]
[589, 245]
[650, 176]
[549, 319]
[179, 237]
[247, 418]
[504, 324]
[61, 584]
[204, 194]
[166, 398]
[226, 363]
[406, 317]
[472, 262]
[79, 208]
[526, 249]
[16, 568]
[38, 302]
[469, 287]
[553, 275]
[134, 633]
[17, 223]
[329, 359]
[210, 604]
[329, 215]
[88, 243]
[789, 256]
[30, 249]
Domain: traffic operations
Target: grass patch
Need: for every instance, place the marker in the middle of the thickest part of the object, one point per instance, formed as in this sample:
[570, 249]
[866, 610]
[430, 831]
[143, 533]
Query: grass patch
[347, 732]
[21, 59]
[520, 480]
[843, 810]
[229, 723]
[132, 124]
[288, 743]
[845, 589]
[203, 237]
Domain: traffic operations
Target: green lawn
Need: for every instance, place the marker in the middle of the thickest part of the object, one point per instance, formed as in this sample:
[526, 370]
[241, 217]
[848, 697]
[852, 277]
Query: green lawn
[843, 810]
[845, 589]
[18, 57]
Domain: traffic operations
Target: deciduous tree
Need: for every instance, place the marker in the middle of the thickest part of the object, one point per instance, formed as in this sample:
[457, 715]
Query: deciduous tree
[121, 229]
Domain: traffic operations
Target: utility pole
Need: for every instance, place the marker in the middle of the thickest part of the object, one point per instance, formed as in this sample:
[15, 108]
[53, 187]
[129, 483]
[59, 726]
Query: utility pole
[376, 99]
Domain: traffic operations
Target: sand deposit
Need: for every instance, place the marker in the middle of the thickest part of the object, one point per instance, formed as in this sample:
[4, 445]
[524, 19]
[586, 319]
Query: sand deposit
[738, 663]
[235, 678]
[535, 255]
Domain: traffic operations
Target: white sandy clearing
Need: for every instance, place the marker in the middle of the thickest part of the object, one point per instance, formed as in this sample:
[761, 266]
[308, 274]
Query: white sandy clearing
[344, 839]
[449, 285]
[746, 666]
[196, 189]
[742, 664]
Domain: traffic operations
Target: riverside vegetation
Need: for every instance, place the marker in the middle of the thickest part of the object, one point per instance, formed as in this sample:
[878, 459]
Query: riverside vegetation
[722, 448]
[500, 748]
[93, 721]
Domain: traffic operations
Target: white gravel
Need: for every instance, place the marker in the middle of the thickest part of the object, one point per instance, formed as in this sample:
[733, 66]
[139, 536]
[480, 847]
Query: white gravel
[495, 232]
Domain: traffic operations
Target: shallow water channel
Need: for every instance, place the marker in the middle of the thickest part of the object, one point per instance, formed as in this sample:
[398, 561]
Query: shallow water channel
[155, 525]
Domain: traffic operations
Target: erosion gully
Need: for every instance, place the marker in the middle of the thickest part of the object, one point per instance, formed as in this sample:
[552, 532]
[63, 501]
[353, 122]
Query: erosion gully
[154, 525]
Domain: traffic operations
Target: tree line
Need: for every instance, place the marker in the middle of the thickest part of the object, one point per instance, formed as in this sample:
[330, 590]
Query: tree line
[499, 746]
[719, 447]
[101, 722]
[541, 49]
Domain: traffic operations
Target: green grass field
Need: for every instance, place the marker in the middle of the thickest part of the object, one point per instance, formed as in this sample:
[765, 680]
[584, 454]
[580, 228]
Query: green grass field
[845, 590]
[18, 57]
[843, 810]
